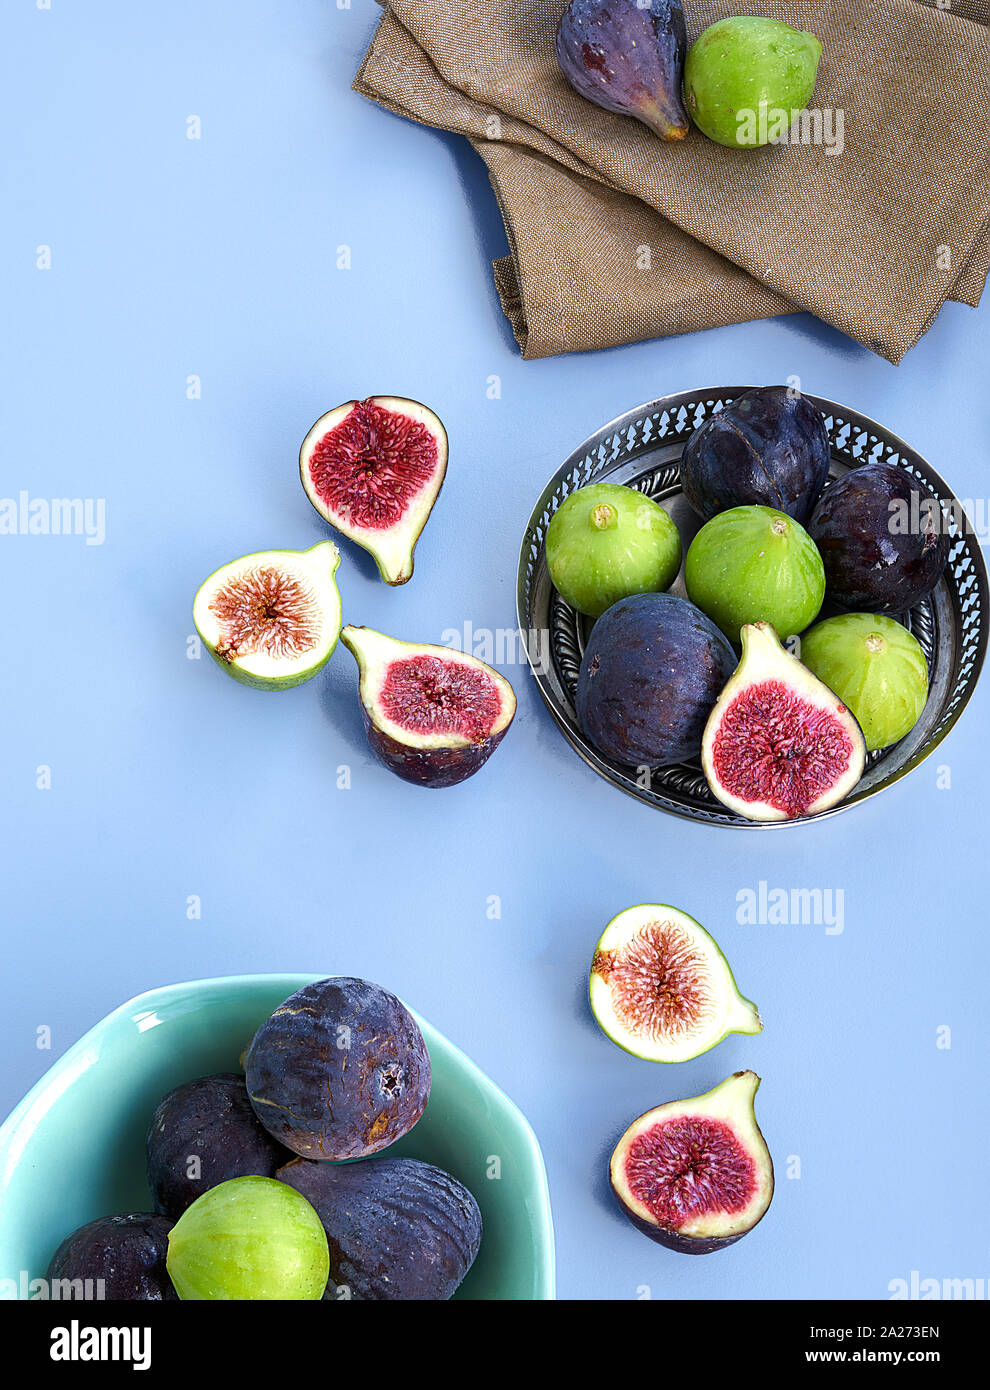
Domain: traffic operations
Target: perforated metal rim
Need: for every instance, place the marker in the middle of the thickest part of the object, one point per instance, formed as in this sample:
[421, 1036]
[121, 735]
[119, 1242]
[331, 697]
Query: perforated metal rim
[642, 448]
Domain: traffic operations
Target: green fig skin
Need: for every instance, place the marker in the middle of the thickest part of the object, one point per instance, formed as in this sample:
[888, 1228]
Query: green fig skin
[875, 667]
[741, 65]
[251, 1239]
[606, 542]
[755, 564]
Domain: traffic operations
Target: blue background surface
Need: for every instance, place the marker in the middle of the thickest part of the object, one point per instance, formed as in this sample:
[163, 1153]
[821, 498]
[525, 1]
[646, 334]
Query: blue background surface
[217, 257]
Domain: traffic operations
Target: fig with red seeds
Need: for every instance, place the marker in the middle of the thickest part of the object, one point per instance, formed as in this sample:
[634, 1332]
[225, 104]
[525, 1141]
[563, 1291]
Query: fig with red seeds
[696, 1175]
[373, 469]
[661, 988]
[433, 715]
[271, 620]
[779, 744]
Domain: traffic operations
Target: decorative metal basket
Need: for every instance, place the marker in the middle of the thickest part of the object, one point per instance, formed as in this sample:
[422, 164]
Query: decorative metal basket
[642, 449]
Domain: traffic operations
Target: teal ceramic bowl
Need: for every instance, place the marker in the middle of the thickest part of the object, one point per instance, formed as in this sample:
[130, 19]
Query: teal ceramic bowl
[73, 1149]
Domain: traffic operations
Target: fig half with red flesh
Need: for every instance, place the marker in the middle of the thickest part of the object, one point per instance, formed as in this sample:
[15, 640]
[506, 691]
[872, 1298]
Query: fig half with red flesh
[373, 469]
[778, 743]
[433, 715]
[696, 1175]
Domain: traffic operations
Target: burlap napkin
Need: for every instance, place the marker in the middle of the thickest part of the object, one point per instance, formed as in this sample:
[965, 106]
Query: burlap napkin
[616, 236]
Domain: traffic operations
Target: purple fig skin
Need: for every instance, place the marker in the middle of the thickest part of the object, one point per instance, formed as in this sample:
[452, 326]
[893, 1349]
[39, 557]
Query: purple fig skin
[652, 670]
[684, 1245]
[430, 767]
[211, 1117]
[126, 1253]
[397, 1228]
[322, 1099]
[628, 59]
[870, 565]
[768, 448]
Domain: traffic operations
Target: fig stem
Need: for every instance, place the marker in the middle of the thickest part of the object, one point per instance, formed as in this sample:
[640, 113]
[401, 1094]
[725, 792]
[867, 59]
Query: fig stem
[603, 517]
[874, 643]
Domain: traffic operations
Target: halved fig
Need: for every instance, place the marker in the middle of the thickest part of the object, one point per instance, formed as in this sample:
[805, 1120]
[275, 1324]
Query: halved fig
[271, 620]
[433, 715]
[696, 1175]
[662, 989]
[778, 743]
[373, 470]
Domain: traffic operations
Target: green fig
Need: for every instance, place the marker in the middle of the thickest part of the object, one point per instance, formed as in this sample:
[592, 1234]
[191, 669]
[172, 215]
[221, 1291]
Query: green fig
[250, 1239]
[876, 667]
[753, 564]
[746, 77]
[606, 542]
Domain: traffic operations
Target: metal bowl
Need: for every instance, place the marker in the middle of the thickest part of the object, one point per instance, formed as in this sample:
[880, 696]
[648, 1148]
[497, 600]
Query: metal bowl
[642, 449]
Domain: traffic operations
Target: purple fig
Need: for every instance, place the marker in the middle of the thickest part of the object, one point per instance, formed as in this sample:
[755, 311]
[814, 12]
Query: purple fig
[628, 56]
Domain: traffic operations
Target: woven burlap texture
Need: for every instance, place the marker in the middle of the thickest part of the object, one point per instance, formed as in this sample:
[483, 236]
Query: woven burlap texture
[616, 236]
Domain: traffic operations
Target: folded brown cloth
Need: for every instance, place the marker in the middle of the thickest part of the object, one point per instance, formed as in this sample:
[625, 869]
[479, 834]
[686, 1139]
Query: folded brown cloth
[616, 236]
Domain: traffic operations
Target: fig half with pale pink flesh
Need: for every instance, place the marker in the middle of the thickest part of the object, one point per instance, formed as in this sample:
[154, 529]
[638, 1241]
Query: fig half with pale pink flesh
[661, 988]
[271, 620]
[373, 470]
[778, 743]
[696, 1175]
[433, 715]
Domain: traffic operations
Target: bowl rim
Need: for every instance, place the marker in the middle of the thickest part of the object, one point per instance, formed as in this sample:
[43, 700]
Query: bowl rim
[671, 403]
[542, 1215]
